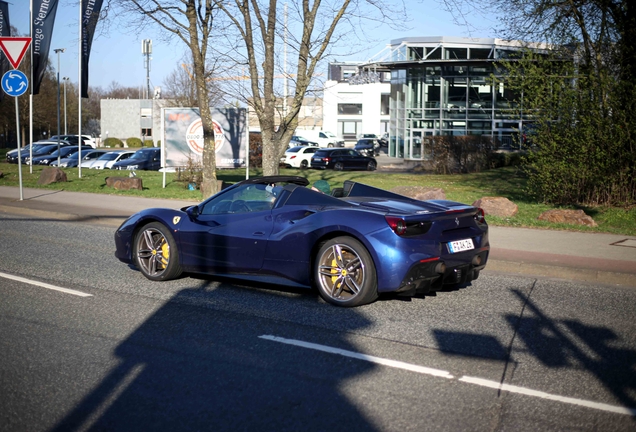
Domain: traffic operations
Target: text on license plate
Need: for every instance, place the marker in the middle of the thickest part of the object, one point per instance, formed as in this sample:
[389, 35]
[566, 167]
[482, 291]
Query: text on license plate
[460, 245]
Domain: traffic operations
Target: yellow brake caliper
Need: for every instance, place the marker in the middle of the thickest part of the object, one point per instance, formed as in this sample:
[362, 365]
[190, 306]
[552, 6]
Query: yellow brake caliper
[165, 253]
[334, 272]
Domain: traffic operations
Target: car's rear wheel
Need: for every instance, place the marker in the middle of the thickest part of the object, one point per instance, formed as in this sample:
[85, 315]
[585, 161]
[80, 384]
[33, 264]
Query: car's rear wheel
[303, 164]
[155, 253]
[338, 166]
[345, 274]
[371, 166]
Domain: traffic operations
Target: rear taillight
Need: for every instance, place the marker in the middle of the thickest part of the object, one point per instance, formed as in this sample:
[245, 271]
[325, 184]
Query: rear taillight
[397, 224]
[407, 229]
[480, 216]
[293, 157]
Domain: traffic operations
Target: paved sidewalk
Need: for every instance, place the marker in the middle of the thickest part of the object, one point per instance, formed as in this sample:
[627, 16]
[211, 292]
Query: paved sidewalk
[588, 257]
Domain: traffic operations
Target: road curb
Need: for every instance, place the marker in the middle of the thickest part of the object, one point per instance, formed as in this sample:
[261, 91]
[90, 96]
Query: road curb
[561, 272]
[66, 217]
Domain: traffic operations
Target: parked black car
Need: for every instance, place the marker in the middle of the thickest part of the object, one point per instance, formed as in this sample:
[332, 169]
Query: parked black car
[12, 155]
[300, 141]
[64, 152]
[144, 159]
[341, 159]
[368, 146]
[40, 151]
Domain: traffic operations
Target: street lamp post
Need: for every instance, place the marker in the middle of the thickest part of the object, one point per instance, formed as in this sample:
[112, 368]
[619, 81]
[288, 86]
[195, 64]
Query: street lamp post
[58, 51]
[65, 79]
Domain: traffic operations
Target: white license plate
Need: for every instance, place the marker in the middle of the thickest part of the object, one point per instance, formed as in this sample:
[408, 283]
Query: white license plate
[461, 245]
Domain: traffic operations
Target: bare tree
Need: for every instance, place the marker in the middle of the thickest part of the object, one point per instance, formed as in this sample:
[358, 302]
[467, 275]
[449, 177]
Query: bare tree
[315, 26]
[180, 87]
[190, 21]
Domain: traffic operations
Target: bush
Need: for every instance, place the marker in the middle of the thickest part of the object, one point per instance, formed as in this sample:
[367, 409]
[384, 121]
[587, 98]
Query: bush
[133, 142]
[256, 149]
[461, 154]
[505, 159]
[113, 142]
[149, 143]
[191, 174]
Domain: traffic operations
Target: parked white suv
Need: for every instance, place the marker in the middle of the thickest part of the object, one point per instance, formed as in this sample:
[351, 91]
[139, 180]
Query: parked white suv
[323, 138]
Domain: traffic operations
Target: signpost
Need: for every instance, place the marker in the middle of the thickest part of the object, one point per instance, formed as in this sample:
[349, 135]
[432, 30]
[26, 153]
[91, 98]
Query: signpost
[15, 83]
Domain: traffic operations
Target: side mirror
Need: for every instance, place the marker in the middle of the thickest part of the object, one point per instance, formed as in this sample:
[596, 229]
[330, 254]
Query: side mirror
[193, 211]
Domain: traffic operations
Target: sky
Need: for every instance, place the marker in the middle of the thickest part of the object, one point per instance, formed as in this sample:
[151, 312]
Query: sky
[117, 57]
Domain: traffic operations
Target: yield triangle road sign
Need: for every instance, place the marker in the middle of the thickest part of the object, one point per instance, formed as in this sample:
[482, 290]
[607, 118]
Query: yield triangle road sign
[15, 48]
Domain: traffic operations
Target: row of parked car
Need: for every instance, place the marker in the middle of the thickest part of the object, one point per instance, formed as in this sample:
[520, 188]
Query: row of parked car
[66, 155]
[327, 158]
[306, 154]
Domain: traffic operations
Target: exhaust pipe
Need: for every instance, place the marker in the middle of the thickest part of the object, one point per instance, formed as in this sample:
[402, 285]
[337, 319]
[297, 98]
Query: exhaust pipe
[440, 268]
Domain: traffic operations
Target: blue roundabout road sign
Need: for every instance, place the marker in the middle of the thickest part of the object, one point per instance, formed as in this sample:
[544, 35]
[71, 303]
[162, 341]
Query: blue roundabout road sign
[15, 83]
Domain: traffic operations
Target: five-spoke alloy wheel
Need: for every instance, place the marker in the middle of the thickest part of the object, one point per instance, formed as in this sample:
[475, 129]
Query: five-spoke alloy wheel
[155, 253]
[344, 273]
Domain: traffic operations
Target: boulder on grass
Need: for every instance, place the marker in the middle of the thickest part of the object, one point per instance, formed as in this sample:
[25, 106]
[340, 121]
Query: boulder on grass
[572, 217]
[51, 175]
[124, 183]
[420, 192]
[497, 206]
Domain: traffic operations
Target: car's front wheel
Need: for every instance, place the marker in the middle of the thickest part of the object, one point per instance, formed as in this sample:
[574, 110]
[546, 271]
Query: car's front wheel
[345, 274]
[304, 164]
[371, 166]
[155, 253]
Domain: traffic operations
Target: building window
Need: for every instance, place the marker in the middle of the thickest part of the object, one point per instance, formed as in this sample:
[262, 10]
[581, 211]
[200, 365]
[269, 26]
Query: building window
[349, 129]
[349, 109]
[146, 132]
[384, 103]
[456, 53]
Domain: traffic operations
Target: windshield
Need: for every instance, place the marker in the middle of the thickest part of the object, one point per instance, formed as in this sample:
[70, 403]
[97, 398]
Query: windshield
[140, 155]
[44, 150]
[108, 156]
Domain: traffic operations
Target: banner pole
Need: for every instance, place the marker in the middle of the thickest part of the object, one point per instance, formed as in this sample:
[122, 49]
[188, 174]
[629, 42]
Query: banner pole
[30, 98]
[79, 94]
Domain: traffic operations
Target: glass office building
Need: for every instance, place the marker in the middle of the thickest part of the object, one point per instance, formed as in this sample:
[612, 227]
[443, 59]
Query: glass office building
[445, 86]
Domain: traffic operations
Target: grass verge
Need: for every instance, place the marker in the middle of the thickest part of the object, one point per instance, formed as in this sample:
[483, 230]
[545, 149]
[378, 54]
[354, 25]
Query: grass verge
[507, 182]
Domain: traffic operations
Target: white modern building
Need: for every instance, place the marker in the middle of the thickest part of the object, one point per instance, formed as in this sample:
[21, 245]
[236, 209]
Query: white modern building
[351, 106]
[442, 86]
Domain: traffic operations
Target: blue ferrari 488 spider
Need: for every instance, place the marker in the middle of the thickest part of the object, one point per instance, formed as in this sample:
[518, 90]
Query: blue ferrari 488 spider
[353, 244]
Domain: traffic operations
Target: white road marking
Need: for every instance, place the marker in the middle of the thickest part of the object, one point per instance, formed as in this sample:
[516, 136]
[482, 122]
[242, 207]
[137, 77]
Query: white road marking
[466, 379]
[45, 285]
[372, 359]
[543, 395]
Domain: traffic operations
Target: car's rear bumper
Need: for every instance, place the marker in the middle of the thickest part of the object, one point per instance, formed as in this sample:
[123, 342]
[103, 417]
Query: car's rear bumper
[433, 274]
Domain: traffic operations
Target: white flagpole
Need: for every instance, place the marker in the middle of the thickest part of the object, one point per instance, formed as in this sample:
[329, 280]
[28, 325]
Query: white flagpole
[31, 92]
[79, 77]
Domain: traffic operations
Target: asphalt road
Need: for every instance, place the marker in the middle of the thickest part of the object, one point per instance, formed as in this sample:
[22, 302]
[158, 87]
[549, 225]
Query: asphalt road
[506, 353]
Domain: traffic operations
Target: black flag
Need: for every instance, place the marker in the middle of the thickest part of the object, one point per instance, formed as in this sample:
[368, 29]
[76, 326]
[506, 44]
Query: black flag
[41, 33]
[90, 15]
[5, 30]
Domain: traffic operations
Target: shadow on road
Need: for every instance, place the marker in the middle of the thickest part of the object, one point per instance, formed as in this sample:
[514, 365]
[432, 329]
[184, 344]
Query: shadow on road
[195, 368]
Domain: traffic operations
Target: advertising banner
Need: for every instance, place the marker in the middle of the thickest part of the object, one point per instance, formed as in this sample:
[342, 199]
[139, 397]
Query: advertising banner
[5, 30]
[183, 137]
[90, 15]
[42, 30]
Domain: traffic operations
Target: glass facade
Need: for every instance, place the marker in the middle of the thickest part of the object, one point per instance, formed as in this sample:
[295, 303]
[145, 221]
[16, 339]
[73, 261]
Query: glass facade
[449, 90]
